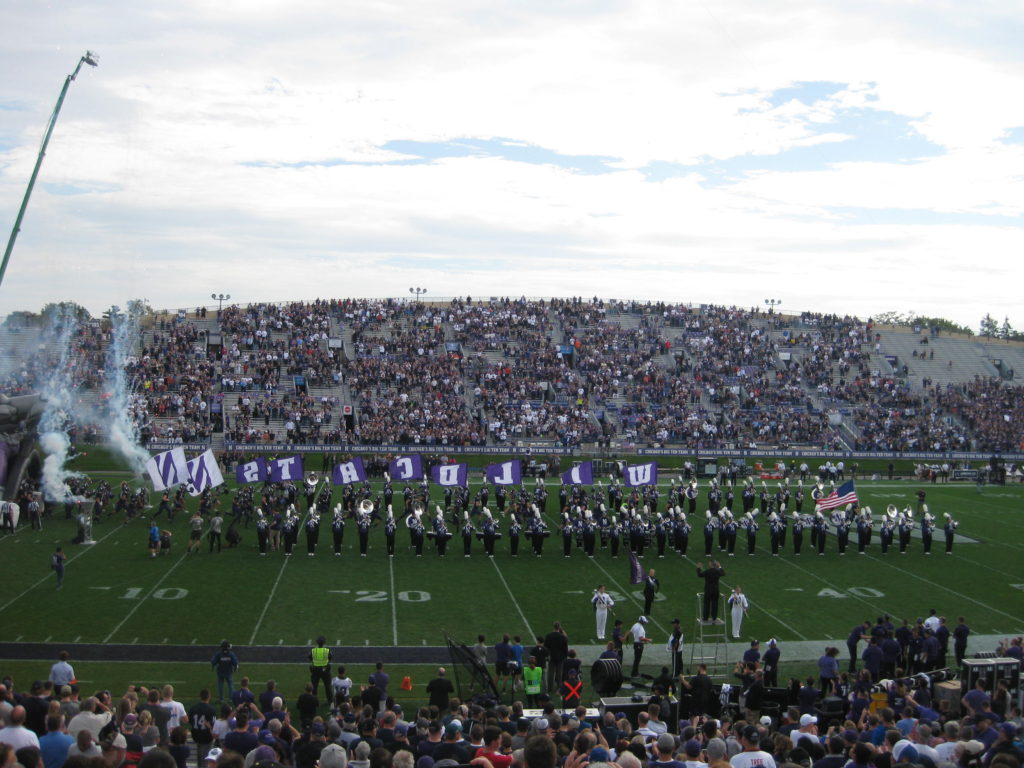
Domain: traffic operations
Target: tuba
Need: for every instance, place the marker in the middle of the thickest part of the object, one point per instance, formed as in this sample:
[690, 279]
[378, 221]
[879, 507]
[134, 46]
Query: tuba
[365, 508]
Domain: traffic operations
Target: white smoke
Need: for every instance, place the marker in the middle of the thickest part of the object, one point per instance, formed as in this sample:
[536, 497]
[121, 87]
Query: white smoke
[122, 430]
[58, 394]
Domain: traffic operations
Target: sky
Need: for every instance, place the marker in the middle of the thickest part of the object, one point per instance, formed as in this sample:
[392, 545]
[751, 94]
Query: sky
[847, 157]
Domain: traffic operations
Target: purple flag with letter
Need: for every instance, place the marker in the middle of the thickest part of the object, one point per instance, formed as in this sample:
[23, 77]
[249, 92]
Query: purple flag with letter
[506, 473]
[349, 472]
[636, 573]
[450, 474]
[581, 474]
[406, 468]
[203, 473]
[289, 468]
[252, 472]
[640, 474]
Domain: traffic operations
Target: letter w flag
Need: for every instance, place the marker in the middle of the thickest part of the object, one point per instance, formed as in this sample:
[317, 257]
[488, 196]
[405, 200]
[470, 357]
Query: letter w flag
[168, 469]
[640, 474]
[203, 473]
[349, 472]
[450, 474]
[840, 497]
[506, 473]
[582, 474]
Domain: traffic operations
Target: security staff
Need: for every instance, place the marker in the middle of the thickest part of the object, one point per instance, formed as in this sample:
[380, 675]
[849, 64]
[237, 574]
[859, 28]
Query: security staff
[320, 665]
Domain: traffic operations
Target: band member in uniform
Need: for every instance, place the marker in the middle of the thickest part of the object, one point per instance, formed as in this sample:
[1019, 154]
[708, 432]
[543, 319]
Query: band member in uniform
[602, 602]
[950, 530]
[589, 533]
[262, 532]
[614, 536]
[842, 525]
[312, 531]
[888, 523]
[730, 528]
[739, 606]
[416, 533]
[651, 587]
[441, 534]
[798, 532]
[490, 532]
[567, 531]
[748, 496]
[514, 531]
[927, 528]
[864, 523]
[538, 532]
[681, 532]
[660, 535]
[338, 528]
[692, 492]
[905, 526]
[751, 526]
[774, 532]
[389, 532]
[468, 531]
[710, 523]
[819, 530]
[290, 530]
[363, 523]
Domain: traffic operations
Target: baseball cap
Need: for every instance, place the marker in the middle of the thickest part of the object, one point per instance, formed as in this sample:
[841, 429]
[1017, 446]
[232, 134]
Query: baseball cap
[264, 754]
[541, 723]
[692, 748]
[401, 729]
[130, 721]
[599, 755]
[806, 720]
[973, 747]
[1008, 729]
[642, 619]
[666, 742]
[213, 754]
[766, 721]
[318, 729]
[908, 753]
[333, 756]
[266, 737]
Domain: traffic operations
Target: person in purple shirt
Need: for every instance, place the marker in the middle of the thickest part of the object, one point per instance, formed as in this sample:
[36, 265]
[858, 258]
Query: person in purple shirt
[861, 632]
[872, 657]
[381, 679]
[753, 653]
[890, 655]
[974, 698]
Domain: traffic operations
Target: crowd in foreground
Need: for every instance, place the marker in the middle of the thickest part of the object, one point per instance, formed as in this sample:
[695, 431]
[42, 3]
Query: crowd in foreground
[687, 723]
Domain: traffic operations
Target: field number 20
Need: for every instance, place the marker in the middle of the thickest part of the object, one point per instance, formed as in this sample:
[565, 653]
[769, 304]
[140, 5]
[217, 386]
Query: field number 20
[380, 596]
[167, 593]
[855, 591]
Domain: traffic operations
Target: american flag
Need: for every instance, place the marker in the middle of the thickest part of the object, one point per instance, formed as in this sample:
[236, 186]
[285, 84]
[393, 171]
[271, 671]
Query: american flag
[841, 496]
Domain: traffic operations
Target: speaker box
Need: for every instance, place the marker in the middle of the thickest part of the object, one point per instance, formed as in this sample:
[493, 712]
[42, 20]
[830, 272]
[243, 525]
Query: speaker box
[606, 677]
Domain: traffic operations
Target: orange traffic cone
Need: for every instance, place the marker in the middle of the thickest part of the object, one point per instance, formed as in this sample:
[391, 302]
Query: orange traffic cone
[406, 683]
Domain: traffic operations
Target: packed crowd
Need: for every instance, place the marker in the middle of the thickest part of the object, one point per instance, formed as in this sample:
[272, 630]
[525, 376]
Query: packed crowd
[565, 370]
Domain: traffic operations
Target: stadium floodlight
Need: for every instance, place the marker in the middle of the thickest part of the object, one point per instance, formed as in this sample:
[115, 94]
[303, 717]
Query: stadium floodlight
[772, 304]
[418, 291]
[93, 60]
[220, 298]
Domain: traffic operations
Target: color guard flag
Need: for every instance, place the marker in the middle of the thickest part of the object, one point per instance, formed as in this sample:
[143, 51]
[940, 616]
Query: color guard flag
[288, 468]
[450, 474]
[840, 497]
[636, 573]
[168, 469]
[252, 472]
[581, 474]
[506, 473]
[640, 474]
[406, 468]
[349, 472]
[203, 473]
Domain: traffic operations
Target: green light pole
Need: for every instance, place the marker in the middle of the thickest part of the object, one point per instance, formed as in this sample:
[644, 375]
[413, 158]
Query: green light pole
[92, 60]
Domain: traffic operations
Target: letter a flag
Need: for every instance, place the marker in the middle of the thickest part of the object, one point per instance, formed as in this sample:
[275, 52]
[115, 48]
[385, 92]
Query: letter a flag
[581, 474]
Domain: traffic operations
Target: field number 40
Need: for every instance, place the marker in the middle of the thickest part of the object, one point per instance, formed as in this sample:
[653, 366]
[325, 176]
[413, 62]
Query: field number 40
[855, 591]
[167, 593]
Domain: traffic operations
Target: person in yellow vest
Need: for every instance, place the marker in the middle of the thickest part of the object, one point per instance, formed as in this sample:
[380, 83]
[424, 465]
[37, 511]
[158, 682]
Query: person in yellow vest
[320, 666]
[532, 675]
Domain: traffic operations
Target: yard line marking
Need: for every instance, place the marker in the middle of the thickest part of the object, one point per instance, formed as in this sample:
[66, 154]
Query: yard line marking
[394, 607]
[625, 592]
[974, 600]
[48, 638]
[18, 638]
[193, 641]
[766, 612]
[138, 605]
[77, 639]
[70, 560]
[510, 594]
[987, 567]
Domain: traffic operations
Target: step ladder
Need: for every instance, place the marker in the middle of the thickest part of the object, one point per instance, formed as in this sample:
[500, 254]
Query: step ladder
[710, 646]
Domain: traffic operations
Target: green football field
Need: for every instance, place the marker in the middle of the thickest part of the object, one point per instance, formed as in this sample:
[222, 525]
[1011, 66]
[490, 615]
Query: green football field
[115, 593]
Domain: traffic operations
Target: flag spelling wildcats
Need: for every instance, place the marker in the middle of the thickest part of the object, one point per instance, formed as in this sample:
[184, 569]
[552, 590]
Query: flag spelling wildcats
[349, 472]
[581, 474]
[252, 471]
[450, 474]
[288, 468]
[640, 474]
[168, 469]
[203, 473]
[406, 468]
[840, 497]
[506, 473]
